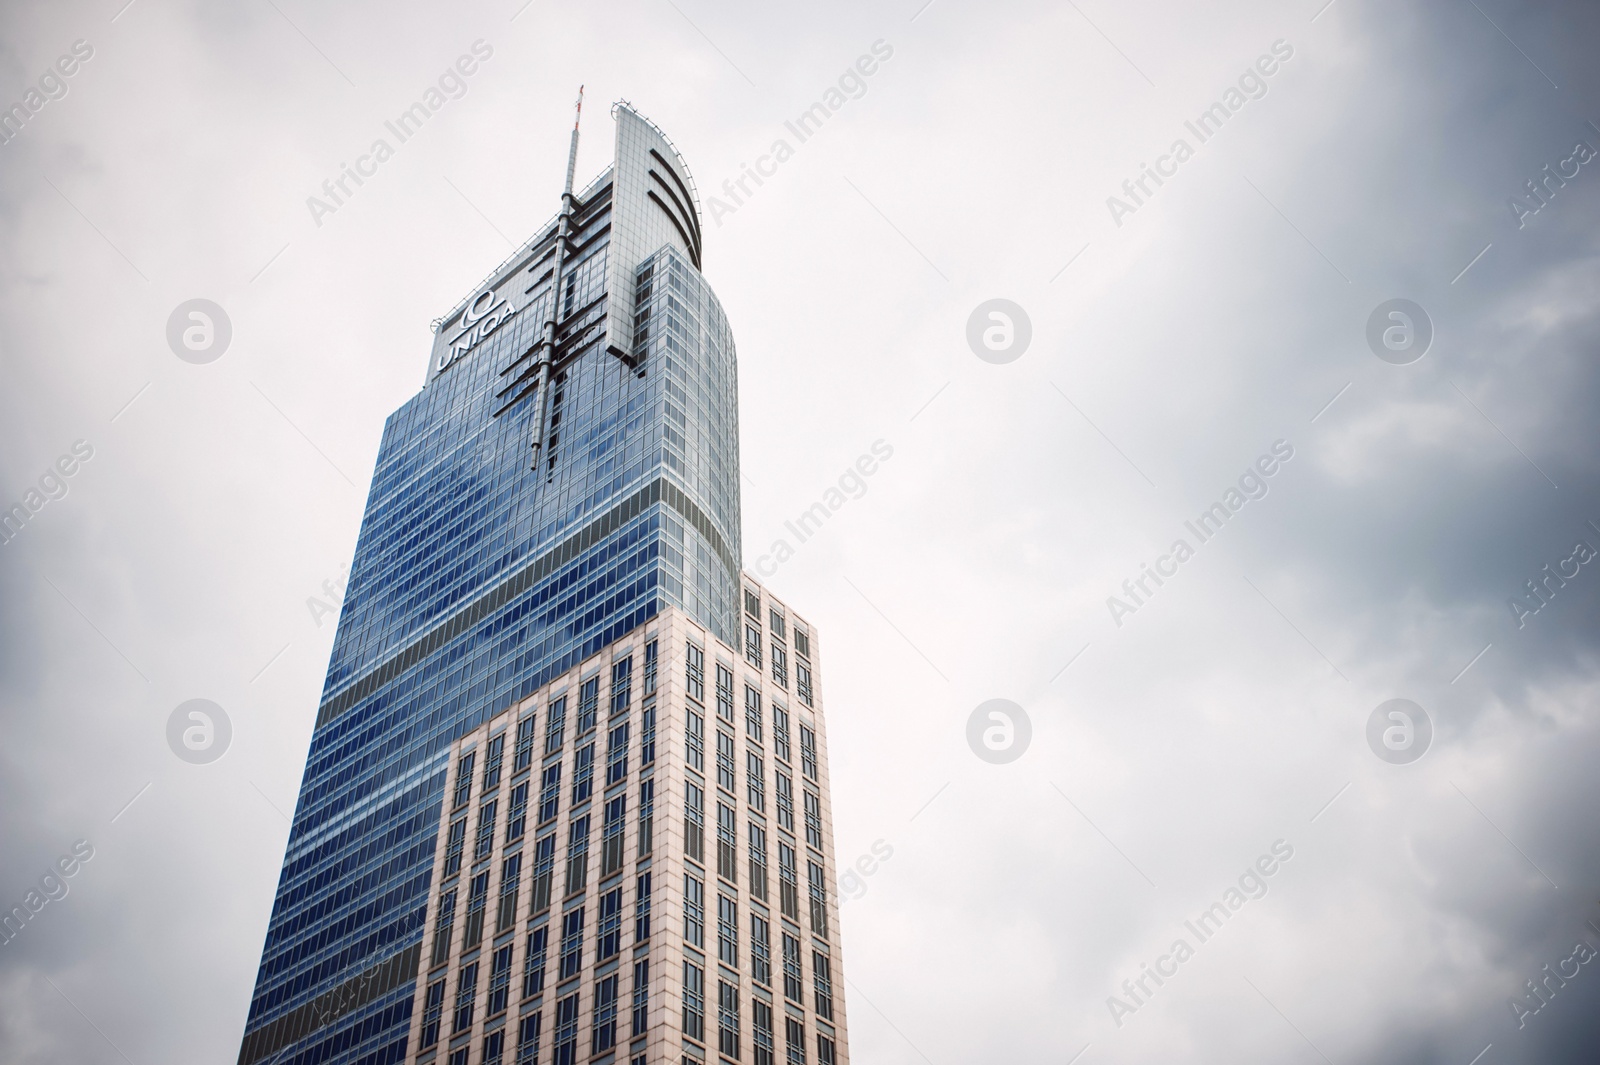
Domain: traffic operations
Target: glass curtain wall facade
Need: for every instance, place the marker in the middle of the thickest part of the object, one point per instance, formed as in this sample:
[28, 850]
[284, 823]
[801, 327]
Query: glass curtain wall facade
[510, 532]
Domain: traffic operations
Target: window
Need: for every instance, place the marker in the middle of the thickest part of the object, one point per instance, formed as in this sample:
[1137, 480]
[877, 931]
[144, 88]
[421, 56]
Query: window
[761, 1031]
[604, 1031]
[499, 981]
[725, 693]
[583, 774]
[611, 836]
[432, 1010]
[694, 1001]
[760, 950]
[549, 792]
[824, 1050]
[517, 814]
[621, 686]
[725, 778]
[802, 680]
[492, 763]
[694, 676]
[794, 1035]
[775, 623]
[528, 1039]
[802, 642]
[752, 604]
[608, 943]
[808, 751]
[524, 756]
[453, 846]
[650, 668]
[780, 732]
[694, 910]
[466, 993]
[728, 931]
[588, 705]
[578, 855]
[544, 863]
[694, 740]
[494, 1046]
[486, 816]
[459, 1055]
[780, 665]
[752, 713]
[785, 793]
[443, 926]
[758, 860]
[647, 736]
[813, 819]
[565, 1051]
[510, 880]
[464, 779]
[728, 1019]
[617, 754]
[819, 899]
[822, 983]
[533, 964]
[555, 725]
[793, 989]
[755, 779]
[647, 815]
[727, 844]
[752, 645]
[641, 995]
[641, 908]
[571, 943]
[477, 899]
[694, 820]
[788, 883]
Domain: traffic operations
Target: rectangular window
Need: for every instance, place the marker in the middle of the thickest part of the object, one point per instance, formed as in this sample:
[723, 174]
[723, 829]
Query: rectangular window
[755, 779]
[549, 792]
[443, 926]
[728, 1019]
[528, 1032]
[578, 855]
[466, 996]
[477, 900]
[694, 910]
[694, 1002]
[824, 1050]
[794, 1035]
[794, 988]
[727, 931]
[494, 1047]
[544, 863]
[694, 741]
[725, 693]
[611, 836]
[647, 736]
[565, 1051]
[802, 642]
[647, 815]
[621, 686]
[486, 816]
[761, 1031]
[555, 723]
[752, 713]
[785, 793]
[775, 623]
[788, 882]
[694, 674]
[802, 680]
[583, 774]
[641, 908]
[727, 844]
[464, 779]
[617, 754]
[533, 964]
[517, 813]
[780, 665]
[813, 819]
[456, 841]
[608, 943]
[808, 751]
[510, 881]
[432, 1011]
[752, 604]
[725, 763]
[650, 668]
[694, 821]
[780, 732]
[641, 994]
[524, 755]
[571, 943]
[752, 645]
[760, 950]
[499, 981]
[459, 1055]
[604, 1031]
[819, 899]
[492, 763]
[822, 984]
[588, 705]
[758, 860]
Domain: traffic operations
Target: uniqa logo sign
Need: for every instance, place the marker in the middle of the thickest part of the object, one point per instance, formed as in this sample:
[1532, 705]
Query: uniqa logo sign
[482, 317]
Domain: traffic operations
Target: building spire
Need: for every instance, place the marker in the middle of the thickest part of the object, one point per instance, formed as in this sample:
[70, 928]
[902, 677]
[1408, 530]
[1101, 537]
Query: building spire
[572, 153]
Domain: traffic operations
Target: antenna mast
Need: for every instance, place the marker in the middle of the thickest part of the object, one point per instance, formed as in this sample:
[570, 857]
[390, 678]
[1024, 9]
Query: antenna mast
[572, 153]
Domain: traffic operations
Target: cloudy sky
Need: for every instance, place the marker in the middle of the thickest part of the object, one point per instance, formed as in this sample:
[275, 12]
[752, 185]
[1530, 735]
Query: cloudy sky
[1173, 343]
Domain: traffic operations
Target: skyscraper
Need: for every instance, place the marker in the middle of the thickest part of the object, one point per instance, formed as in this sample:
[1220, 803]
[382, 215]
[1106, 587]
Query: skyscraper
[546, 643]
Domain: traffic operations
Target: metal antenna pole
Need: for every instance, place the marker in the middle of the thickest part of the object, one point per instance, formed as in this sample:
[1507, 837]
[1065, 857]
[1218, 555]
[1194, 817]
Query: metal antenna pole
[547, 345]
